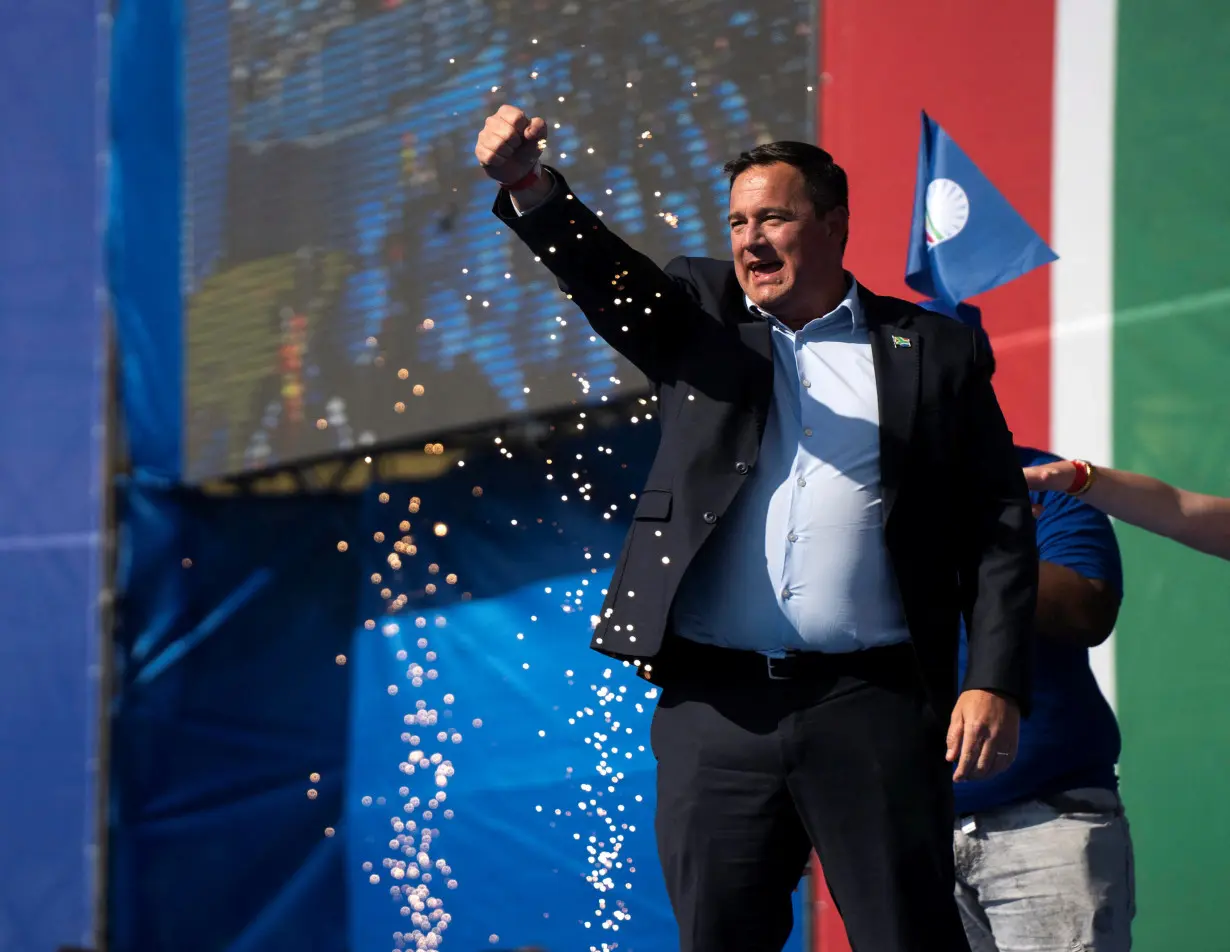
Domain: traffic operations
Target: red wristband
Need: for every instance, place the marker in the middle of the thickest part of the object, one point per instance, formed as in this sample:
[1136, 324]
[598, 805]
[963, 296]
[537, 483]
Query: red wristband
[531, 178]
[1084, 472]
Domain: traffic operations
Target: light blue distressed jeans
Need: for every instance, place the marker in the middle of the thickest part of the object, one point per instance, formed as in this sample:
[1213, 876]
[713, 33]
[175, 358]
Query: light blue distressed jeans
[1053, 876]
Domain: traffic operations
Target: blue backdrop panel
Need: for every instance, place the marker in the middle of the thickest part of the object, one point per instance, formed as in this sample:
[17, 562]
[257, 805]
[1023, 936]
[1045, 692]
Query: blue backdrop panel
[143, 229]
[231, 700]
[51, 345]
[485, 690]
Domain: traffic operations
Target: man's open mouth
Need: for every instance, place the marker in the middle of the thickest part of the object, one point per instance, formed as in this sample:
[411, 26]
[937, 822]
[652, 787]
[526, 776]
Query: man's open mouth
[765, 267]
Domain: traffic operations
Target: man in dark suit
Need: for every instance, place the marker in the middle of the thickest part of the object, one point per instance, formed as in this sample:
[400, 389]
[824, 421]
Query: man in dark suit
[801, 554]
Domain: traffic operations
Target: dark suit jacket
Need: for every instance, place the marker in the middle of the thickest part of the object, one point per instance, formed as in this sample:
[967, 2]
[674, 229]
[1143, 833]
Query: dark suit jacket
[957, 518]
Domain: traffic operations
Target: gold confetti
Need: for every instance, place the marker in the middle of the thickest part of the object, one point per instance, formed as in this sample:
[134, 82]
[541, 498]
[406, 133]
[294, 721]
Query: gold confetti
[433, 569]
[370, 624]
[415, 502]
[186, 563]
[314, 778]
[440, 529]
[404, 525]
[379, 536]
[476, 491]
[321, 423]
[343, 546]
[418, 390]
[340, 660]
[399, 407]
[403, 374]
[451, 578]
[383, 497]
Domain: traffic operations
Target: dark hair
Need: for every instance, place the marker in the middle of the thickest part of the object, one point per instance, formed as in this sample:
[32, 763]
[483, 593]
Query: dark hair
[826, 180]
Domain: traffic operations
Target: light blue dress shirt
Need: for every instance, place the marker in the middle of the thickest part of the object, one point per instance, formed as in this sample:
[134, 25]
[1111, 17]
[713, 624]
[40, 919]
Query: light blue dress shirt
[799, 563]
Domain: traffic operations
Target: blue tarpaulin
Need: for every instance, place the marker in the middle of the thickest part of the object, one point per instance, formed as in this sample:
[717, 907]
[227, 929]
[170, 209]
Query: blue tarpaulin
[144, 226]
[51, 452]
[274, 751]
[230, 698]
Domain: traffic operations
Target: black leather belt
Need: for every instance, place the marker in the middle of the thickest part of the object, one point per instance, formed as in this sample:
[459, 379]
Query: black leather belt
[679, 655]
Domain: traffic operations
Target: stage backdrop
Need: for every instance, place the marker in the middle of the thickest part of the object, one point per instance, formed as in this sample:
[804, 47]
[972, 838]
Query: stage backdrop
[52, 360]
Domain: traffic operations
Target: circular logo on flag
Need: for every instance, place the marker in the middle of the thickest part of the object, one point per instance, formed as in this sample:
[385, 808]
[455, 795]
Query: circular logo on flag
[947, 211]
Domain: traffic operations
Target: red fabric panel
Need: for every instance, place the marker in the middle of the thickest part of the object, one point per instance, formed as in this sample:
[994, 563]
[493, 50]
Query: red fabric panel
[984, 72]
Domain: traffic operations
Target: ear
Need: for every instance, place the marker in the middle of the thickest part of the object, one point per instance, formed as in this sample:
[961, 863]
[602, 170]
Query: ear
[837, 221]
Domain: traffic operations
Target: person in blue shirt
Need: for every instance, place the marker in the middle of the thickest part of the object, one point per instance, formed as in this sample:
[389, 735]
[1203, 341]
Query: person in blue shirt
[1043, 850]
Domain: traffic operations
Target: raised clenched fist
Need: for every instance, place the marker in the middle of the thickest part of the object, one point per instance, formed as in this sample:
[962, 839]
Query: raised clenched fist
[509, 144]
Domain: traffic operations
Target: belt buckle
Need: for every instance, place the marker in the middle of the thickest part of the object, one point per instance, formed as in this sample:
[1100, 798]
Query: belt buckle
[769, 660]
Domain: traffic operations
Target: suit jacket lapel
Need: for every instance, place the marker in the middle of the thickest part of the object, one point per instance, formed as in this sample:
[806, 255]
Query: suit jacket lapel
[896, 352]
[757, 337]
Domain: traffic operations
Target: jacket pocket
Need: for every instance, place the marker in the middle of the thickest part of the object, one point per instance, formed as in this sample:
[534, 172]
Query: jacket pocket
[653, 504]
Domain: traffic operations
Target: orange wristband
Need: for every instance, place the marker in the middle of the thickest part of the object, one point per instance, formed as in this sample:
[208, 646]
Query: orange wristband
[1083, 479]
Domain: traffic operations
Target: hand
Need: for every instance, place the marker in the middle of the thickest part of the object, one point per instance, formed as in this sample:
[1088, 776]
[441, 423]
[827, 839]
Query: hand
[982, 736]
[509, 145]
[1050, 477]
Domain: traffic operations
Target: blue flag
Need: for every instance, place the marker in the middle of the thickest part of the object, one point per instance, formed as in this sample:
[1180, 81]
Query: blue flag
[965, 238]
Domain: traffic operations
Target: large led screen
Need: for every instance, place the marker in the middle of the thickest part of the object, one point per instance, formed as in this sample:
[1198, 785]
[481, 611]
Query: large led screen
[345, 282]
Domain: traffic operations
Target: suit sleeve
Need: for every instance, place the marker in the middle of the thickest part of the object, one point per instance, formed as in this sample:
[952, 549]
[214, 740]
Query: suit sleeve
[999, 559]
[638, 308]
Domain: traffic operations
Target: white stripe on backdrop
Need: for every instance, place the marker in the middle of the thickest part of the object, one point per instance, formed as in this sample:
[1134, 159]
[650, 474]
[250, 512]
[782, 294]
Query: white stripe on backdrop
[1082, 210]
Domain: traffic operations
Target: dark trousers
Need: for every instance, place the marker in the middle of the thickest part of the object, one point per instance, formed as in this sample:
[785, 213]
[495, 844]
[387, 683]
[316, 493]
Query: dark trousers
[755, 767]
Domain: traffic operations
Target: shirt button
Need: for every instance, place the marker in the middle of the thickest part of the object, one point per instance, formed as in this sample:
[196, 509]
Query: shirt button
[741, 468]
[786, 593]
[802, 481]
[793, 537]
[710, 517]
[806, 383]
[807, 431]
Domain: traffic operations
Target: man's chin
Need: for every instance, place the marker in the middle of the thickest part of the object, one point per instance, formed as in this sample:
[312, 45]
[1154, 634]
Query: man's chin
[766, 298]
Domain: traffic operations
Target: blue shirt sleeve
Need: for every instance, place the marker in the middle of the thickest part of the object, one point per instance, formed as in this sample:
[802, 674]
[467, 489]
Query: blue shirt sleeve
[1079, 537]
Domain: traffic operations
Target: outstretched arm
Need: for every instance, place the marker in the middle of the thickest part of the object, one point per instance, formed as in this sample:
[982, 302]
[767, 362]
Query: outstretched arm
[633, 304]
[1197, 520]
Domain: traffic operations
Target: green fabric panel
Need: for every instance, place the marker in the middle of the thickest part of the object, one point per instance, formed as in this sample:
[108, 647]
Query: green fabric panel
[1172, 420]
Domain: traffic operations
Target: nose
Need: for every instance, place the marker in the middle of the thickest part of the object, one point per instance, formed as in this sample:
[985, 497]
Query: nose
[751, 237]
